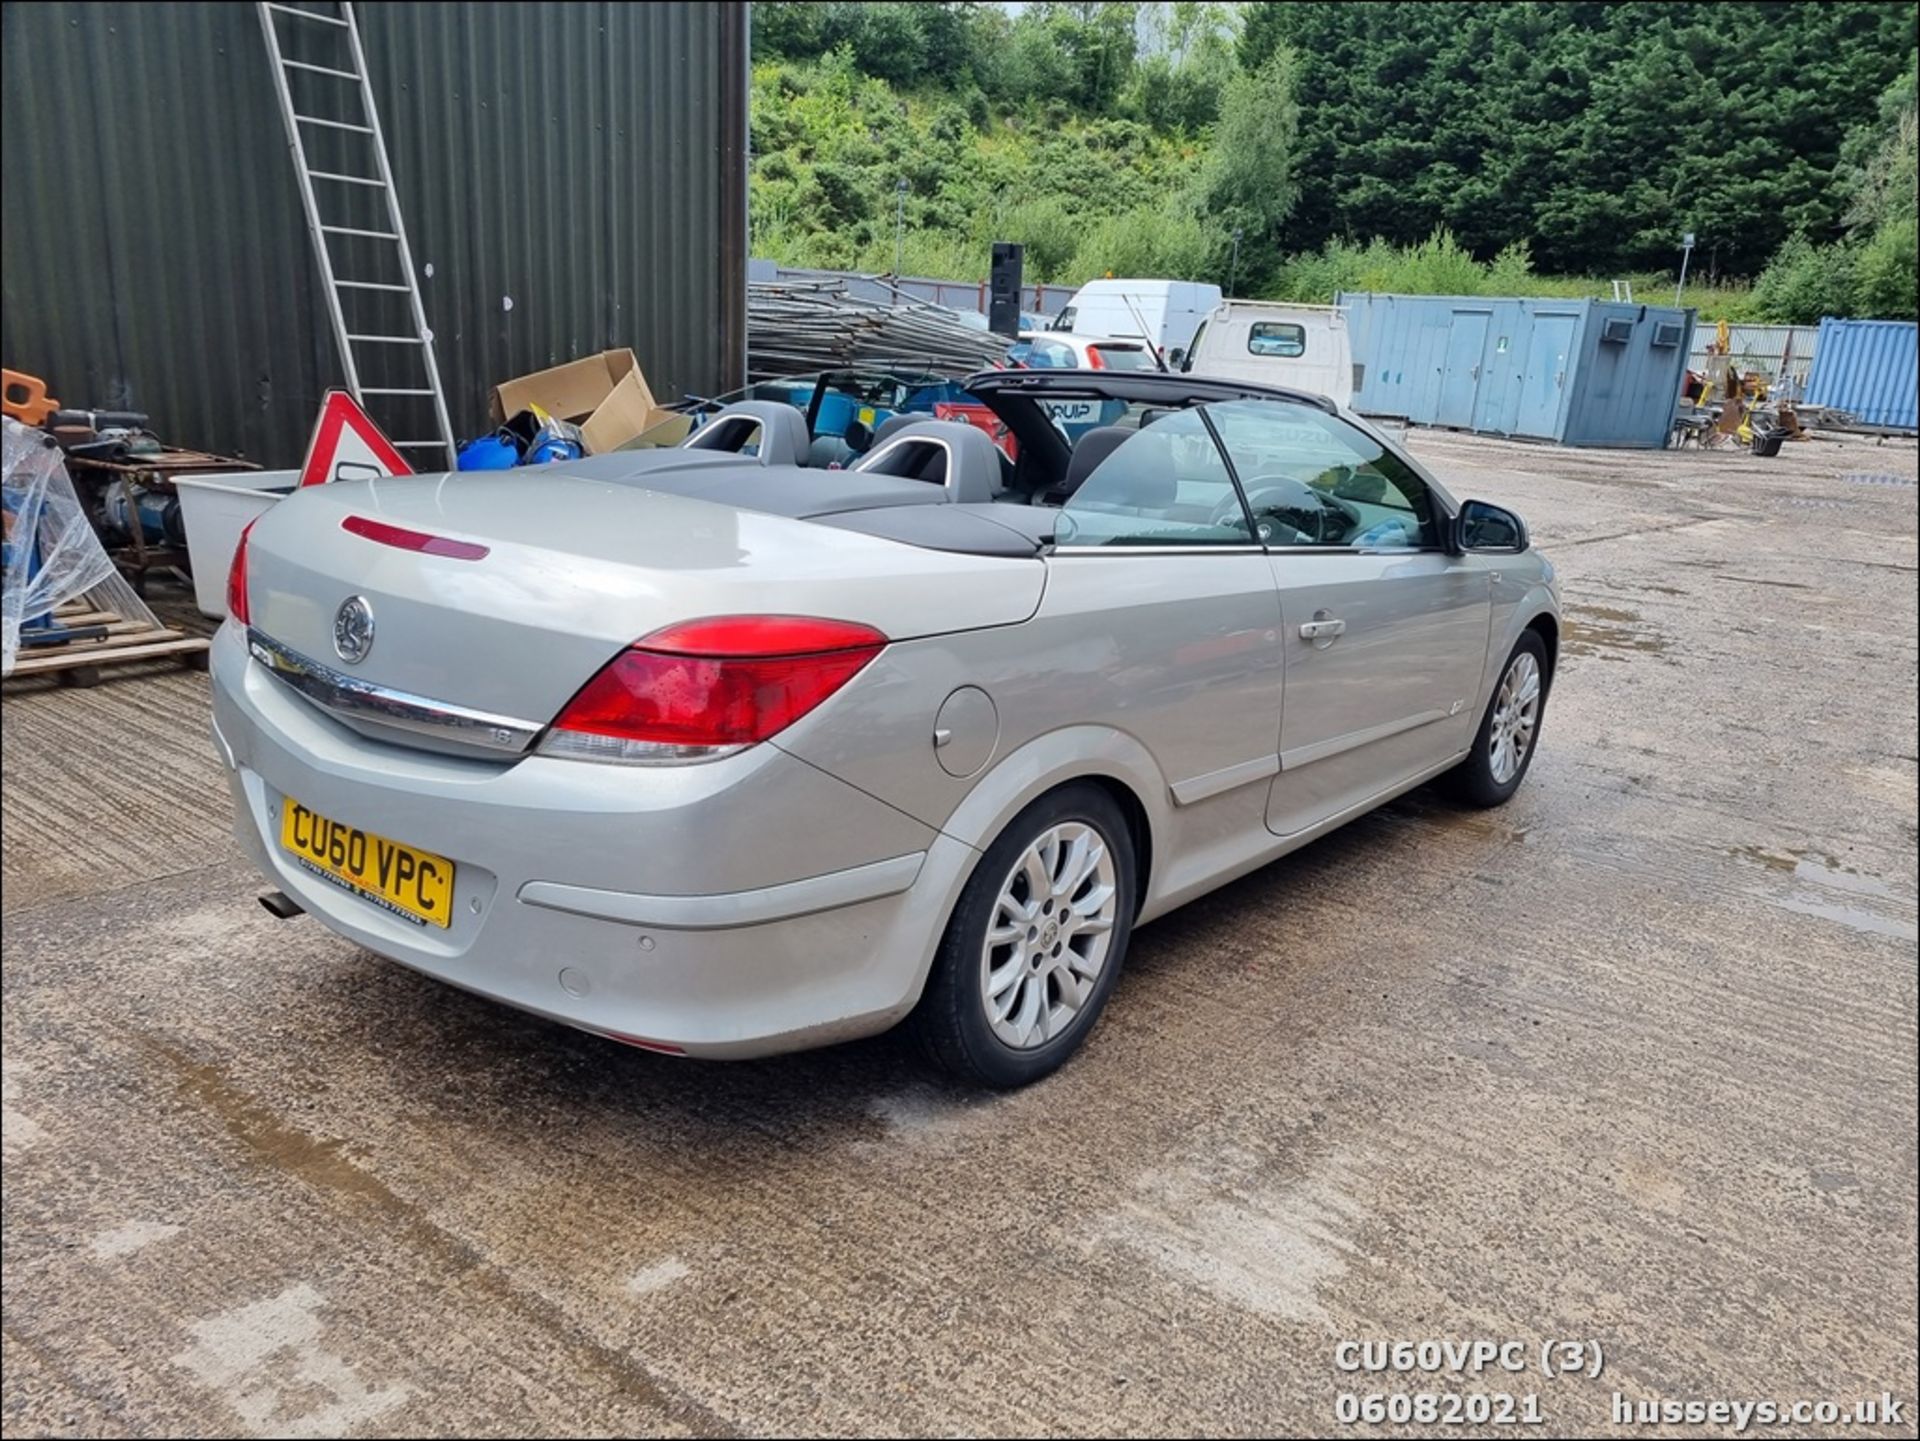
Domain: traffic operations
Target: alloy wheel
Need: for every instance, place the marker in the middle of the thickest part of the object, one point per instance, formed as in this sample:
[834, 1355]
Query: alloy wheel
[1049, 935]
[1516, 714]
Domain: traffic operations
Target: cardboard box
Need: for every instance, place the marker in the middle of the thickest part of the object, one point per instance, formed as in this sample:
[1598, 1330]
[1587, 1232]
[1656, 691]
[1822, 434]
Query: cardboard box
[606, 395]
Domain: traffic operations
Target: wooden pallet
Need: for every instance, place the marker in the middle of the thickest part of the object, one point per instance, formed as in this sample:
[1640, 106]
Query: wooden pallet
[79, 662]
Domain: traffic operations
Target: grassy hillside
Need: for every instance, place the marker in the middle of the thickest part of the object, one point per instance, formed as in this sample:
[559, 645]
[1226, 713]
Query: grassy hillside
[1295, 151]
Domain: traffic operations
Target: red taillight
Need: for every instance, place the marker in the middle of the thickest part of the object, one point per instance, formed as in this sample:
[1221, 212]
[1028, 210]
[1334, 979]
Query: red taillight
[1095, 360]
[237, 577]
[379, 530]
[705, 688]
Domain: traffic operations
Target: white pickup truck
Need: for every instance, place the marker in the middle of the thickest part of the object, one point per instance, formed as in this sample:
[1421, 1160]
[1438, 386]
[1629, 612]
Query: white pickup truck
[1276, 342]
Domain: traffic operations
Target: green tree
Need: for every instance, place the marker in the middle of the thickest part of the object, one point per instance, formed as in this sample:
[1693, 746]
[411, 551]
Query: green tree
[1880, 171]
[1598, 131]
[1189, 59]
[1880, 163]
[1247, 183]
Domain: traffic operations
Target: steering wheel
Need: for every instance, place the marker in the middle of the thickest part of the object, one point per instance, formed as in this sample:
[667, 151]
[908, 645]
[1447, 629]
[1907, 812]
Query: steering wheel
[1333, 518]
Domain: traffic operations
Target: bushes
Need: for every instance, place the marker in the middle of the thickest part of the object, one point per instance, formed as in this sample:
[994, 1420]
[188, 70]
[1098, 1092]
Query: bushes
[1885, 270]
[1165, 241]
[1805, 281]
[1872, 278]
[1435, 266]
[1439, 265]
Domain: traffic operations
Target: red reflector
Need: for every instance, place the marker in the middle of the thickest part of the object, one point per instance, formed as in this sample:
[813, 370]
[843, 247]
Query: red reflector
[237, 577]
[379, 530]
[725, 681]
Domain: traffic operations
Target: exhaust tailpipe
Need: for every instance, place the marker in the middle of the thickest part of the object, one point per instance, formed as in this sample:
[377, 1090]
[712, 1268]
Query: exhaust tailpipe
[281, 906]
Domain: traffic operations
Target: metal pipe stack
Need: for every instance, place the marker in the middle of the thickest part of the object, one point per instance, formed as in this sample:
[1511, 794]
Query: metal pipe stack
[794, 326]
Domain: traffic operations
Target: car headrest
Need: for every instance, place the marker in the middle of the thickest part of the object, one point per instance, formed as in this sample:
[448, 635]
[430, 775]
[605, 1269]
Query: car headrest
[778, 431]
[948, 453]
[1088, 451]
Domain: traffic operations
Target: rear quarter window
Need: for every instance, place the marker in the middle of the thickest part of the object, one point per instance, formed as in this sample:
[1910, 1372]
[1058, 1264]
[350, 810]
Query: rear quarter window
[1277, 338]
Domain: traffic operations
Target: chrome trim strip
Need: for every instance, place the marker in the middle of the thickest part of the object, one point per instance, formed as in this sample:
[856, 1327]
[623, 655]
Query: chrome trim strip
[347, 695]
[1217, 783]
[1199, 548]
[1305, 755]
[731, 908]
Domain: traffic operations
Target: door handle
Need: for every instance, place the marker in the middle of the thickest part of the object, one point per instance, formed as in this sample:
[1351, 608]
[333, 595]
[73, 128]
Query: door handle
[1324, 628]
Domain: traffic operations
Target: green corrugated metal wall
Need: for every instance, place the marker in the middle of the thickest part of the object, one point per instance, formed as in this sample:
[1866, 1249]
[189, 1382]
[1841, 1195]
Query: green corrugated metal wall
[574, 175]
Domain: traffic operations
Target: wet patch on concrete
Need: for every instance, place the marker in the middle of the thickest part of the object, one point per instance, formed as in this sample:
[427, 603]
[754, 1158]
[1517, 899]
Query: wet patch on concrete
[1815, 875]
[1609, 632]
[273, 1142]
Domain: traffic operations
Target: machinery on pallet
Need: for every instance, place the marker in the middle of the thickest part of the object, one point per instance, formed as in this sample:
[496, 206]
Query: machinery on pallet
[1727, 407]
[65, 609]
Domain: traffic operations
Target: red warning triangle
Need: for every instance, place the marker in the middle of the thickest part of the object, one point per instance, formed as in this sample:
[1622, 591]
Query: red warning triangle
[347, 445]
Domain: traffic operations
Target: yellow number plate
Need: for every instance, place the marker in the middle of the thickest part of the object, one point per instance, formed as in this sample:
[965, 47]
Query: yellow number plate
[411, 883]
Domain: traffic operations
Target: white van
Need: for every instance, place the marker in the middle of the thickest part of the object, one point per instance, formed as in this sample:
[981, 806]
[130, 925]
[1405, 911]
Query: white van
[1275, 342]
[1165, 312]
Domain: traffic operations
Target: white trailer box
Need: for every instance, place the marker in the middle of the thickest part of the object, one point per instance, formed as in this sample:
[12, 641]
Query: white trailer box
[1273, 342]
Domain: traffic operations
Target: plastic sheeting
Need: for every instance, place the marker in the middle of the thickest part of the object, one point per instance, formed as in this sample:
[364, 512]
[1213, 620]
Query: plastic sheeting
[52, 553]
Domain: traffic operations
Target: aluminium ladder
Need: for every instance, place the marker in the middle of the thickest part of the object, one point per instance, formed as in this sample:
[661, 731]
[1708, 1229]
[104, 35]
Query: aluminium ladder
[397, 350]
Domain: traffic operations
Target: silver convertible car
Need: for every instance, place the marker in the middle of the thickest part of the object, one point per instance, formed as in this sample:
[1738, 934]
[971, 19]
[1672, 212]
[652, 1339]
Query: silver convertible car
[756, 743]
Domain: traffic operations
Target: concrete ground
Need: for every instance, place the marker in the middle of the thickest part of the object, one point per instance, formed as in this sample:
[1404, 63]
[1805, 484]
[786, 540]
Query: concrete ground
[1630, 1062]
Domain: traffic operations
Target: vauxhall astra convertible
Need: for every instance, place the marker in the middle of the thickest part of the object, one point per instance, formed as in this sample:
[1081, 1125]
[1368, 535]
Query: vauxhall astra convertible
[777, 738]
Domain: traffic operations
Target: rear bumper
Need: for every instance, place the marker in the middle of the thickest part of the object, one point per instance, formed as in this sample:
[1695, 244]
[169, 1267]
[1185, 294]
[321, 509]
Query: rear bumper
[740, 908]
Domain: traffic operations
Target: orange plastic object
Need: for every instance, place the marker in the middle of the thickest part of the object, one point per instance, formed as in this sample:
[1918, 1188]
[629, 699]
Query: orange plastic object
[25, 397]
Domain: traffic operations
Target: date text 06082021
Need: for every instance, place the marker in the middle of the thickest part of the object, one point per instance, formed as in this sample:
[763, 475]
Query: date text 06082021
[1441, 1408]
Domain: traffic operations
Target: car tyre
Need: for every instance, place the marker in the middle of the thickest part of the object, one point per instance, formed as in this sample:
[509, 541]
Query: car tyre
[1509, 732]
[1035, 942]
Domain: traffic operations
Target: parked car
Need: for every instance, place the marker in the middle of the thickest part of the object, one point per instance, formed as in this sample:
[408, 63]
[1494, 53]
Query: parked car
[719, 753]
[1277, 343]
[1165, 313]
[1044, 350]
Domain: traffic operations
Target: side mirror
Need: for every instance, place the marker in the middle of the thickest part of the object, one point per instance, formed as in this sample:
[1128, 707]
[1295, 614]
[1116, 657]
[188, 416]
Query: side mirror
[1177, 358]
[1484, 527]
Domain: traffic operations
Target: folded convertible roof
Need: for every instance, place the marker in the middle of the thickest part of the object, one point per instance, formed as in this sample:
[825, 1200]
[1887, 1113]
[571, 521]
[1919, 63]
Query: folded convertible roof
[1146, 385]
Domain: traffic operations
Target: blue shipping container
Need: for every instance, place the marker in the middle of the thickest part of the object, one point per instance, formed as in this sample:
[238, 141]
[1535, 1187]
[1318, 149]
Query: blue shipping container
[1580, 372]
[1870, 369]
